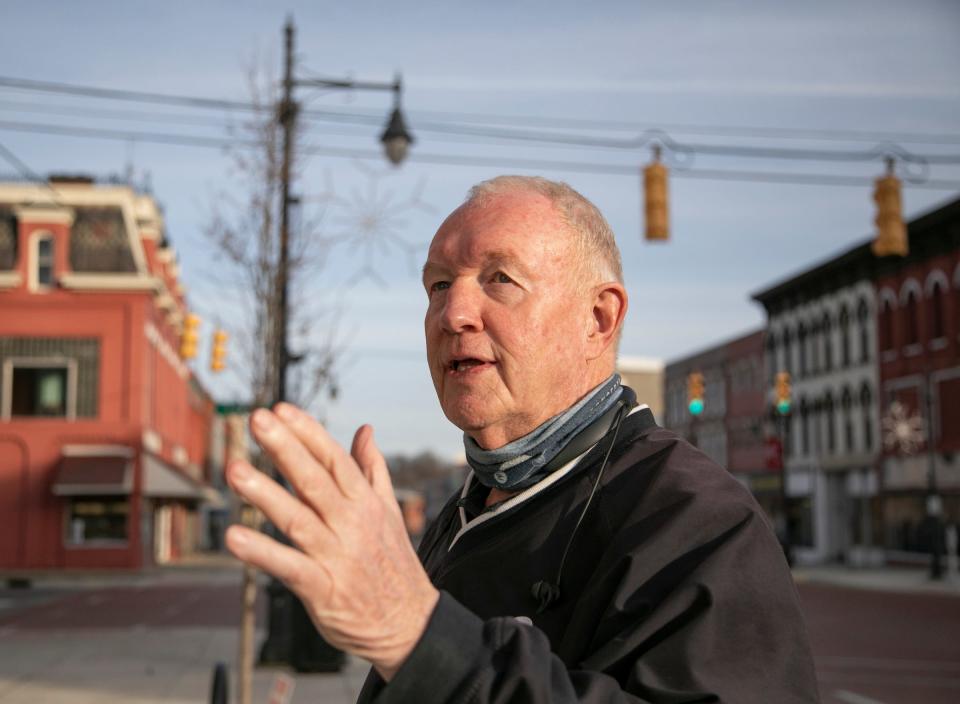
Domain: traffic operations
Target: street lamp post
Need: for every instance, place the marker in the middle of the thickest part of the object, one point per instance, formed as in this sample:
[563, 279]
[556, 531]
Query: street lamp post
[291, 638]
[934, 504]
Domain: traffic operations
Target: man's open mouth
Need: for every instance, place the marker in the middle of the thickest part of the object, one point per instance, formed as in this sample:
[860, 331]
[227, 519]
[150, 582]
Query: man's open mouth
[467, 363]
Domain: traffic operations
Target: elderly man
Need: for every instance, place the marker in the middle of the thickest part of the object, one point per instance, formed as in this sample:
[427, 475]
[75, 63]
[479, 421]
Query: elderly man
[590, 556]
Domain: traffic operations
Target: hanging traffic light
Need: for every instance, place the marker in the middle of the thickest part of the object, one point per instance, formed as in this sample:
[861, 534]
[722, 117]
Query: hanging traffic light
[190, 336]
[891, 236]
[218, 354]
[695, 393]
[782, 393]
[656, 214]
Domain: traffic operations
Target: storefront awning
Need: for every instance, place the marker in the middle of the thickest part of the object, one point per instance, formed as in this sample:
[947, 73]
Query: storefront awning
[161, 481]
[90, 475]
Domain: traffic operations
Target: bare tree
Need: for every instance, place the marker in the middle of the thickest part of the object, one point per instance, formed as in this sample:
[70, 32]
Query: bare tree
[243, 227]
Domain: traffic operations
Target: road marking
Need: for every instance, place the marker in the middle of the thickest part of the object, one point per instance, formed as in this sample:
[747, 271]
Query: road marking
[854, 698]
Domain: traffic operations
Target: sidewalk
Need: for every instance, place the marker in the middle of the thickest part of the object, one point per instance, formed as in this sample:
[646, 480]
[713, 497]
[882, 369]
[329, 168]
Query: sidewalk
[891, 579]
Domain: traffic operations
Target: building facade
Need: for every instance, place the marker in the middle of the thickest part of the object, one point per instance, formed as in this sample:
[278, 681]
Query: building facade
[857, 332]
[105, 454]
[734, 428]
[919, 342]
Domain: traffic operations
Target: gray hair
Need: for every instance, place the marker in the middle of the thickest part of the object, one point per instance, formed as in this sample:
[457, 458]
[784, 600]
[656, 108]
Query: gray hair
[597, 247]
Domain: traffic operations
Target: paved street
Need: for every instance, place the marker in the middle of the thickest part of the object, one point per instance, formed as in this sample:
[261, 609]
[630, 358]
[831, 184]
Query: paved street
[888, 638]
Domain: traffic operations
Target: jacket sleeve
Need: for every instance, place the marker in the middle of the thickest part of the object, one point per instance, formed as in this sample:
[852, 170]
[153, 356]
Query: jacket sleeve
[461, 658]
[719, 622]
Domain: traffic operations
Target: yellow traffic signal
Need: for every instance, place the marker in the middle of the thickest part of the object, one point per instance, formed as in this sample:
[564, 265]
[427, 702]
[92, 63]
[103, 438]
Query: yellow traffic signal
[782, 392]
[891, 236]
[656, 214]
[218, 354]
[189, 336]
[695, 393]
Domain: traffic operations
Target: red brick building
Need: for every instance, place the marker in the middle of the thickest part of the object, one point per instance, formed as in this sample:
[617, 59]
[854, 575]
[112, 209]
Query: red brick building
[104, 431]
[734, 429]
[918, 327]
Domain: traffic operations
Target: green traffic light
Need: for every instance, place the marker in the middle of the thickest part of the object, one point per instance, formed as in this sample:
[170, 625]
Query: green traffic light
[783, 407]
[696, 406]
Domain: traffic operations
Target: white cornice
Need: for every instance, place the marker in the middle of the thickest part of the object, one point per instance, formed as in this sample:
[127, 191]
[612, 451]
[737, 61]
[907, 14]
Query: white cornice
[110, 282]
[43, 215]
[165, 255]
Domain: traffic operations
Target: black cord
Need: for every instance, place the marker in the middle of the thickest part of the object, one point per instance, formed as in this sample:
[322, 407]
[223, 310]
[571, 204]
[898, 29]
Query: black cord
[545, 592]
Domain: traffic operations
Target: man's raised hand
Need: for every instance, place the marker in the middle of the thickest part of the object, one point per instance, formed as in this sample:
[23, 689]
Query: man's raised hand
[351, 564]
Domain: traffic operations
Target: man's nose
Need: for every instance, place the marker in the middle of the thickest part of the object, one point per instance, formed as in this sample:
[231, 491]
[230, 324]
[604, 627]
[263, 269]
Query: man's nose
[462, 308]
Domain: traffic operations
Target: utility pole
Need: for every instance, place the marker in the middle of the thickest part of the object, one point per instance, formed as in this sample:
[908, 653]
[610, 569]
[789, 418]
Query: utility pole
[291, 637]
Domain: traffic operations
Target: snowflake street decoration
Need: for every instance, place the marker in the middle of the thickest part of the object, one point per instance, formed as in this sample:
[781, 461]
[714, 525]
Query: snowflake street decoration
[369, 221]
[902, 432]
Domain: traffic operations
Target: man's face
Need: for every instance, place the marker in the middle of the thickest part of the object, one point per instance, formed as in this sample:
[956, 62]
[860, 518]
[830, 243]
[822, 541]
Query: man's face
[506, 320]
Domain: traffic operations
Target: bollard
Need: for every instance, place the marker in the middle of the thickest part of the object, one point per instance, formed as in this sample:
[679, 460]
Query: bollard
[218, 688]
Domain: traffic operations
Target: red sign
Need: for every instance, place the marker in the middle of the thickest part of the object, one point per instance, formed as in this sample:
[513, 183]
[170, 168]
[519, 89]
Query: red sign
[773, 454]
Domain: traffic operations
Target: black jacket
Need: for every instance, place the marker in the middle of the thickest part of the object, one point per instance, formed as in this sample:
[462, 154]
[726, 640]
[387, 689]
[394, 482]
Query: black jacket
[674, 590]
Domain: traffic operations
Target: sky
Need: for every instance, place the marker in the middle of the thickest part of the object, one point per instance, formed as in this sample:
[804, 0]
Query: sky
[851, 76]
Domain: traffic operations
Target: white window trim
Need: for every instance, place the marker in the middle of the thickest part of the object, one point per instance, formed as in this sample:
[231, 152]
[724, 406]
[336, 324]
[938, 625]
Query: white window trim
[33, 262]
[6, 402]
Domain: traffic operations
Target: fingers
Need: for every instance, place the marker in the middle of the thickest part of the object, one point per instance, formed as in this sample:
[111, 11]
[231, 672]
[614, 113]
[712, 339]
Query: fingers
[324, 448]
[298, 464]
[371, 461]
[292, 517]
[287, 564]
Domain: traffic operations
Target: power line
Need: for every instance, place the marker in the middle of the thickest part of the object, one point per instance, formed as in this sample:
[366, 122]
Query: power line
[26, 171]
[468, 160]
[649, 136]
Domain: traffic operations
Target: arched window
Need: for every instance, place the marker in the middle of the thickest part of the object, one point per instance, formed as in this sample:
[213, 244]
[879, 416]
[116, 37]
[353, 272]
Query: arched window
[936, 309]
[804, 426]
[844, 325]
[826, 328]
[866, 409]
[846, 404]
[863, 322]
[771, 344]
[787, 362]
[886, 326]
[814, 348]
[829, 420]
[801, 351]
[911, 318]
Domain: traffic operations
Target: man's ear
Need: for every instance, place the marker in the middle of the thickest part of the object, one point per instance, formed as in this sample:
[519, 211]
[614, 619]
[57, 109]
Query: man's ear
[609, 310]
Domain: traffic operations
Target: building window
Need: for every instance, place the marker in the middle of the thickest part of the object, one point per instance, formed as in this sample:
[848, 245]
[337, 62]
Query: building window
[846, 404]
[815, 349]
[801, 351]
[41, 271]
[863, 313]
[886, 326]
[829, 419]
[39, 389]
[97, 519]
[844, 325]
[912, 319]
[866, 403]
[936, 311]
[827, 327]
[804, 426]
[787, 362]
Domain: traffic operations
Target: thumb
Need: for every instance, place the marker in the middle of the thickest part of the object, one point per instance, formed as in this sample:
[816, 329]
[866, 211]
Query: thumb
[366, 454]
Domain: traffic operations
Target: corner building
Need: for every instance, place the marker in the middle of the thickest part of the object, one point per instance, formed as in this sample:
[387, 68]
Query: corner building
[105, 434]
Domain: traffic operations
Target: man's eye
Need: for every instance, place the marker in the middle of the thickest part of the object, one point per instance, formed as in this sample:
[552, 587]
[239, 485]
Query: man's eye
[502, 278]
[439, 286]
